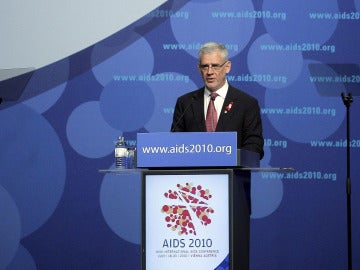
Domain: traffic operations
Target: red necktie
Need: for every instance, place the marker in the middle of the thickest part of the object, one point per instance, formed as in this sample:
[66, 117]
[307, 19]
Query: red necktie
[211, 115]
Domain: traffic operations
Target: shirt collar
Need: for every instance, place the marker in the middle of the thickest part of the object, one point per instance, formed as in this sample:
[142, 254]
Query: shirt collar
[221, 92]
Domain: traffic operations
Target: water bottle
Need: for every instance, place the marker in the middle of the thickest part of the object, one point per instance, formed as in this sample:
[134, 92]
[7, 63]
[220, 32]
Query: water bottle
[121, 153]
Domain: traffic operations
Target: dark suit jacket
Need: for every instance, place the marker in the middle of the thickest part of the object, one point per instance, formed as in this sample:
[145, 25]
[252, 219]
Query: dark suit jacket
[243, 117]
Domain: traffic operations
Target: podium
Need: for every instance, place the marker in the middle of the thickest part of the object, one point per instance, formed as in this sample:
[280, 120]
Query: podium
[195, 201]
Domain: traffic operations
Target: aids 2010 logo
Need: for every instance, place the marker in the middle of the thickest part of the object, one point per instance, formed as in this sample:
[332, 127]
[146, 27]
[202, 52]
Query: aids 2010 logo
[190, 210]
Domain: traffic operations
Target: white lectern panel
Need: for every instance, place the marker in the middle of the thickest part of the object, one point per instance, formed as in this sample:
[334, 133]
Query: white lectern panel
[186, 221]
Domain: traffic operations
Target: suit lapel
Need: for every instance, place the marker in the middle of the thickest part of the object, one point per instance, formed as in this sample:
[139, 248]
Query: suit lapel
[226, 111]
[198, 108]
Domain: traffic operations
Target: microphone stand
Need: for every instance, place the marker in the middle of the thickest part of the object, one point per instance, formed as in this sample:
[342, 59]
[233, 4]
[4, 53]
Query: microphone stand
[347, 100]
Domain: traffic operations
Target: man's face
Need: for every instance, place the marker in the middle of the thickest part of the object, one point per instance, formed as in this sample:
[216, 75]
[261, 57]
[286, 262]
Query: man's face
[213, 70]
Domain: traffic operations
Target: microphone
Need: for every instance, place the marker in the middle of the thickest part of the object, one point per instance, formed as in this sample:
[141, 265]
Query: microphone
[347, 100]
[193, 98]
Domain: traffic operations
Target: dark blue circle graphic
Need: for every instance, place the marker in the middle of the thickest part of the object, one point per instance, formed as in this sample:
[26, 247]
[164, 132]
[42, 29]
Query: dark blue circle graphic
[266, 195]
[120, 202]
[300, 17]
[32, 165]
[131, 61]
[10, 228]
[88, 133]
[297, 110]
[271, 68]
[127, 106]
[227, 20]
[166, 90]
[46, 100]
[22, 260]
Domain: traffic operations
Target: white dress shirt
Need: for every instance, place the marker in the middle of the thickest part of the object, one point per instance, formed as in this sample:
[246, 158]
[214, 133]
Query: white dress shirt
[219, 101]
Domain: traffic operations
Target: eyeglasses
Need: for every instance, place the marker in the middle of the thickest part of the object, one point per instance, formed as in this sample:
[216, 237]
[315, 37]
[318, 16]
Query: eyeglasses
[215, 67]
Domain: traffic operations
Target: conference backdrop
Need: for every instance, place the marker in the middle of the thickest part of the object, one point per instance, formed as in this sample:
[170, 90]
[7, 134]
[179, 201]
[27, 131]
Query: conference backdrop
[102, 70]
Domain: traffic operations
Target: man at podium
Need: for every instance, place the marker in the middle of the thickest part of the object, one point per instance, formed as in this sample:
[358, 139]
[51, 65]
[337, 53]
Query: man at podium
[218, 106]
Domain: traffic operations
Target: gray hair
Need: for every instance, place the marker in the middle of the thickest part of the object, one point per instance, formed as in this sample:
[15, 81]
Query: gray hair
[210, 47]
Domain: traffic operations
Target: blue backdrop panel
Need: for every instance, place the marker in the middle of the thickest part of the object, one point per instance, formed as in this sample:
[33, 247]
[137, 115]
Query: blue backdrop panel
[295, 57]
